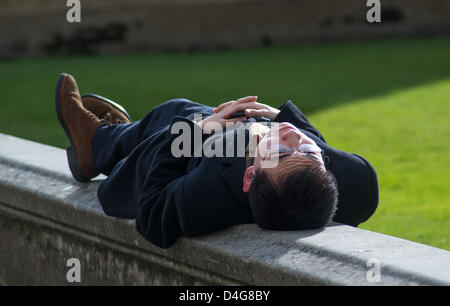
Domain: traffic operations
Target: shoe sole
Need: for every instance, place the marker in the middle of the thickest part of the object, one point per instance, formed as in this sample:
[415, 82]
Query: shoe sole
[110, 102]
[71, 152]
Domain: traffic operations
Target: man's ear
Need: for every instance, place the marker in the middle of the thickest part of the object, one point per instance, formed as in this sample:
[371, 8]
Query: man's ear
[248, 178]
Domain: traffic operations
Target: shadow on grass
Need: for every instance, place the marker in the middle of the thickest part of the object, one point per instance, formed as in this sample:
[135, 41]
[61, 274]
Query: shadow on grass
[315, 77]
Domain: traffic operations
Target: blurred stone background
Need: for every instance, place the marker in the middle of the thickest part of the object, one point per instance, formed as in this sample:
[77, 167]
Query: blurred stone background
[35, 28]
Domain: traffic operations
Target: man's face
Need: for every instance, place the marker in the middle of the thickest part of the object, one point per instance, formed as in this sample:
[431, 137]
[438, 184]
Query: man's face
[273, 149]
[278, 151]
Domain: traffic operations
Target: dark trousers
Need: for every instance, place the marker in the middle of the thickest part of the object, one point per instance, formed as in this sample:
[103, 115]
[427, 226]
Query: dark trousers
[124, 152]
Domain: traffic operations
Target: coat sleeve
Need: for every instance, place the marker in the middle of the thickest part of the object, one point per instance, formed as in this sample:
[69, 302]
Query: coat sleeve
[160, 216]
[290, 113]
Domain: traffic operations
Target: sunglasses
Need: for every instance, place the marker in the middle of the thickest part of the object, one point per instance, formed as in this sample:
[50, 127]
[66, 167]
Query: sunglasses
[309, 150]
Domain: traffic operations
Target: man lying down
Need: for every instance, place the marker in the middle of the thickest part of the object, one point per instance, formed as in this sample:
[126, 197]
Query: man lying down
[188, 169]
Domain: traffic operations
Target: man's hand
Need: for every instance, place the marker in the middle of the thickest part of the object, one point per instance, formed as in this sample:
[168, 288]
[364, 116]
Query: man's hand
[221, 116]
[249, 106]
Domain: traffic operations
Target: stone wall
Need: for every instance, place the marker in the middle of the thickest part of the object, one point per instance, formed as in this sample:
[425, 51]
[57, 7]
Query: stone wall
[30, 28]
[47, 218]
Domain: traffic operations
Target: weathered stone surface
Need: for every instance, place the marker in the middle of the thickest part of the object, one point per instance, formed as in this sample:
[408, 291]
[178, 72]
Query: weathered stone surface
[30, 28]
[46, 218]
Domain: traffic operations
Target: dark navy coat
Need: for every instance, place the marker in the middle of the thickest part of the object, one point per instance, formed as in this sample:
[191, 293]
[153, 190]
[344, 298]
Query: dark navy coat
[172, 197]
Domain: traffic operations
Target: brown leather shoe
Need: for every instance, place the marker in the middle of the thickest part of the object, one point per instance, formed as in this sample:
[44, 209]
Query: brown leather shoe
[105, 109]
[79, 124]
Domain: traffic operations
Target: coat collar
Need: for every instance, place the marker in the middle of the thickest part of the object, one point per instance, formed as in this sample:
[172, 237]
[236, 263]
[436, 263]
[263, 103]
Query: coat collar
[233, 170]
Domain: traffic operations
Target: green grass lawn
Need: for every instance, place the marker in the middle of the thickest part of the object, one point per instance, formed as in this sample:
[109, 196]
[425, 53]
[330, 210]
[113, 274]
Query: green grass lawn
[388, 101]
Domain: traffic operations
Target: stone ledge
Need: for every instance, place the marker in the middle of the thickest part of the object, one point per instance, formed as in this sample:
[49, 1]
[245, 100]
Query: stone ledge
[47, 217]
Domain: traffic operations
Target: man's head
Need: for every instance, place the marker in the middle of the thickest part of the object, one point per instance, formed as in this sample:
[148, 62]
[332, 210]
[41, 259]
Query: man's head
[288, 185]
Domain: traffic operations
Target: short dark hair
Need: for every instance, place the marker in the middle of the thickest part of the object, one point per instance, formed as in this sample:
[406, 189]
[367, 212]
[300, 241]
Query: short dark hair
[304, 198]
